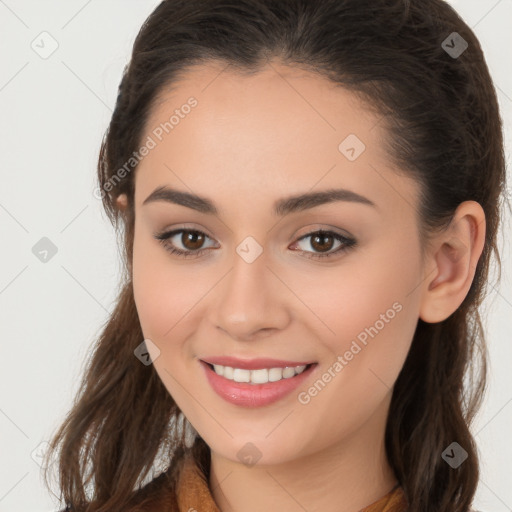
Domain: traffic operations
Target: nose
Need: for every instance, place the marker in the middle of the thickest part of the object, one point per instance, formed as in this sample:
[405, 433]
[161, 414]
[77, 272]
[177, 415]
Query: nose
[250, 302]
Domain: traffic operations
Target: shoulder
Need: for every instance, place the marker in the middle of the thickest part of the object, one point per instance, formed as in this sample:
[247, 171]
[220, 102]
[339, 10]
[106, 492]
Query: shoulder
[158, 494]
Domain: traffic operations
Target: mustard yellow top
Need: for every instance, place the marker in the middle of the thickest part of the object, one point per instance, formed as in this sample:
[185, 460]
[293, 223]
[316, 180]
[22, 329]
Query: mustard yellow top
[193, 493]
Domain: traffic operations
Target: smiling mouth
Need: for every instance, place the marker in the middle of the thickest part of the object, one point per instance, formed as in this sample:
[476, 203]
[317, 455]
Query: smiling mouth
[258, 376]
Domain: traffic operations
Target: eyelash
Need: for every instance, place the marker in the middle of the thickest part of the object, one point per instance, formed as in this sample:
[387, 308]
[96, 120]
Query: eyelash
[348, 243]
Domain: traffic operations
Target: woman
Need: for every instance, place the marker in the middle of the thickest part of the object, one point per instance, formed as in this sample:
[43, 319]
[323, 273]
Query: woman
[309, 198]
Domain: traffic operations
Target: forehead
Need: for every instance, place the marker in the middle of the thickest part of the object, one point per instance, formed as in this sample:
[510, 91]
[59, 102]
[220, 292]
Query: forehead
[278, 100]
[281, 129]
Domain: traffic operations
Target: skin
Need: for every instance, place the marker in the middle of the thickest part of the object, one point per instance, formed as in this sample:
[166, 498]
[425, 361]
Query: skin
[248, 142]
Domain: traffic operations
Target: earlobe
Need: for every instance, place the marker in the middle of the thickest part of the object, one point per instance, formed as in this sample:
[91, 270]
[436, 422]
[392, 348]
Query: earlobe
[454, 262]
[122, 201]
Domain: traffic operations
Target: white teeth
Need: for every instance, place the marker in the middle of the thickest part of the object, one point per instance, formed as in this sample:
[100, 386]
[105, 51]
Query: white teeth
[275, 374]
[228, 372]
[288, 372]
[240, 375]
[261, 376]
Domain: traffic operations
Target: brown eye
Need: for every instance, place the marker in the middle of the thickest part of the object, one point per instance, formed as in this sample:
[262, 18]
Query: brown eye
[323, 241]
[192, 240]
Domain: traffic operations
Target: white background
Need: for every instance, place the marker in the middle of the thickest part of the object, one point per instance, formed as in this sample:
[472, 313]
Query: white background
[54, 112]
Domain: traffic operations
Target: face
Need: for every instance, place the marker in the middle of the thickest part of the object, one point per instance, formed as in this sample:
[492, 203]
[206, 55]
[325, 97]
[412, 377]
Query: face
[331, 283]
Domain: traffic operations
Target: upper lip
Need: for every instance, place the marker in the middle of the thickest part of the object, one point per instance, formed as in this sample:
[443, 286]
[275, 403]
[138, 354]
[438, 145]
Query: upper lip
[252, 364]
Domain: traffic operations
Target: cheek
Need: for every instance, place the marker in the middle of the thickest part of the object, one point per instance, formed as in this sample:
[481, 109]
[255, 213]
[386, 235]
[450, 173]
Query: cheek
[372, 318]
[369, 309]
[164, 296]
[167, 294]
[159, 293]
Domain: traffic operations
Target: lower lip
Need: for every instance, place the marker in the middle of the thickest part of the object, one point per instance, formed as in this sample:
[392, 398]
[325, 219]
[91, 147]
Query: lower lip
[254, 395]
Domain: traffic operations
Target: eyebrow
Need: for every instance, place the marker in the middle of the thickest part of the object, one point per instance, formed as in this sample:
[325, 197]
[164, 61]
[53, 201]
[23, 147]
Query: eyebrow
[282, 207]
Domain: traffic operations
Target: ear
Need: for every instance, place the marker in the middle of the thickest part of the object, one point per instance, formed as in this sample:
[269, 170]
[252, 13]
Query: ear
[122, 201]
[453, 262]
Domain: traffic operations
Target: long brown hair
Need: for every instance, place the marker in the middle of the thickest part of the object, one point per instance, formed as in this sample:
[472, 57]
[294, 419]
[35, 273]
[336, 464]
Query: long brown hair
[441, 115]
